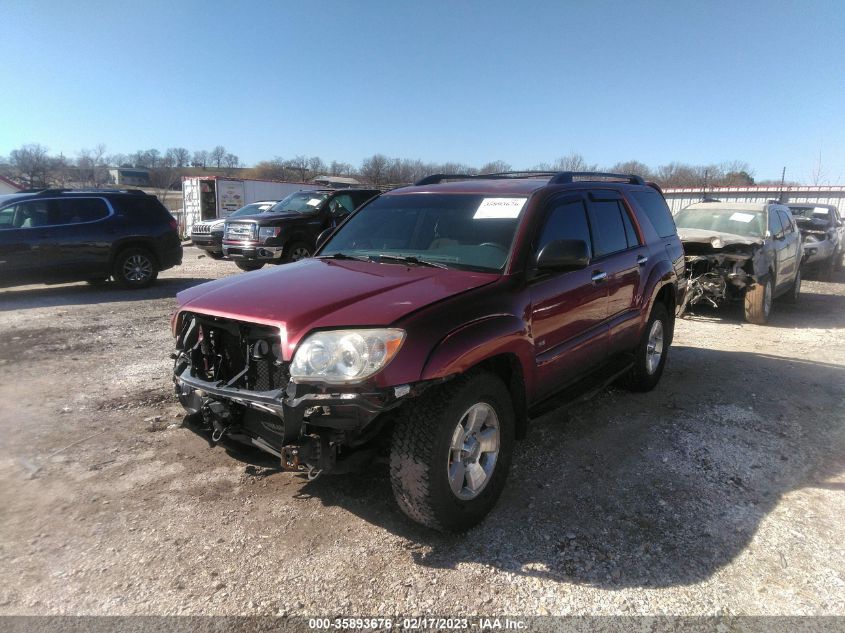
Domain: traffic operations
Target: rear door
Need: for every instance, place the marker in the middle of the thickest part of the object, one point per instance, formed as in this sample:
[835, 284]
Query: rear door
[568, 309]
[77, 237]
[779, 248]
[619, 255]
[792, 247]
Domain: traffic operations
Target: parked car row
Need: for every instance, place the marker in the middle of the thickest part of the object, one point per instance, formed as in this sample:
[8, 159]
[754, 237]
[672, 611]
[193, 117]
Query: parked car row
[278, 232]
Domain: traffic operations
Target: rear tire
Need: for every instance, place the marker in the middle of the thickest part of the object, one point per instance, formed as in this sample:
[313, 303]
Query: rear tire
[135, 268]
[441, 472]
[297, 251]
[247, 266]
[652, 352]
[758, 302]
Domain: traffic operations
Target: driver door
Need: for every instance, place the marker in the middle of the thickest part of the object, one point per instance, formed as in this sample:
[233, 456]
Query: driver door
[568, 309]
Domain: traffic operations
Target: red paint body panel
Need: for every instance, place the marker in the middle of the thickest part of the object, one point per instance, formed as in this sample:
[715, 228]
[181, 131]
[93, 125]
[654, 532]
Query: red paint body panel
[317, 294]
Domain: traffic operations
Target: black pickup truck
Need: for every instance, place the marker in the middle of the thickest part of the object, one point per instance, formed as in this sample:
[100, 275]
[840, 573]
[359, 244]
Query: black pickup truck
[289, 230]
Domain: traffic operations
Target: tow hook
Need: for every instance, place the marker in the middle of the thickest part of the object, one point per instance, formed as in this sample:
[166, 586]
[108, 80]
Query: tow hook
[218, 434]
[314, 455]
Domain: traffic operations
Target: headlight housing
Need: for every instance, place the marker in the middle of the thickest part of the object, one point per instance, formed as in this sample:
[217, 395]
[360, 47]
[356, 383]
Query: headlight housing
[810, 239]
[266, 232]
[345, 356]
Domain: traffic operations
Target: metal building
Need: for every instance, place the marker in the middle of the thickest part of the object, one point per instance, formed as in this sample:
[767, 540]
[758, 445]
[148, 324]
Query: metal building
[825, 194]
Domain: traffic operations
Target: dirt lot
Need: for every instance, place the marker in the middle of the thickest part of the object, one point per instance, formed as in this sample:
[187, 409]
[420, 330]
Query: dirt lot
[721, 492]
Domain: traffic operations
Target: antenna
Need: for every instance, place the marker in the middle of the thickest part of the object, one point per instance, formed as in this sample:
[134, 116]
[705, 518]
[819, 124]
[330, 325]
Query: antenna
[704, 191]
[782, 180]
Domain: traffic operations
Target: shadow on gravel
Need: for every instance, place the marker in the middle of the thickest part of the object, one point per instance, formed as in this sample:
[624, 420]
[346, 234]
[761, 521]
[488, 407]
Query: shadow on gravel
[658, 489]
[83, 294]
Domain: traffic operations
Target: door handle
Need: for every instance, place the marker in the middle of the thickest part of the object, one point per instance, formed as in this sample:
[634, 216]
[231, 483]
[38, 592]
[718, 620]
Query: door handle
[642, 260]
[599, 277]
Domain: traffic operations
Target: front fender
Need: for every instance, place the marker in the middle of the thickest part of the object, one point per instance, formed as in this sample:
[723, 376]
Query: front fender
[478, 341]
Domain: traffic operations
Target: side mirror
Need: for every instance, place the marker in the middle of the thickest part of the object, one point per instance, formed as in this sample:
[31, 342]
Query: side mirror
[323, 237]
[561, 255]
[839, 224]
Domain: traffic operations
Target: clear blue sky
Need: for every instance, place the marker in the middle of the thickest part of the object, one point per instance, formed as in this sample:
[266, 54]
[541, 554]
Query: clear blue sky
[524, 82]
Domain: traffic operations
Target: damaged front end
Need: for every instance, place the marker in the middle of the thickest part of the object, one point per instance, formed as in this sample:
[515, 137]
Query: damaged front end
[232, 376]
[720, 268]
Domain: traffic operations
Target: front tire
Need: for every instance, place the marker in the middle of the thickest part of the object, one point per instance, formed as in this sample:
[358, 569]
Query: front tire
[135, 268]
[248, 266]
[758, 302]
[451, 451]
[297, 251]
[652, 352]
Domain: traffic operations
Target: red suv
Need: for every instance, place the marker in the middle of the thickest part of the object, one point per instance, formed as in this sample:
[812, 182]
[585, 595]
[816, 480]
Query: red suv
[442, 317]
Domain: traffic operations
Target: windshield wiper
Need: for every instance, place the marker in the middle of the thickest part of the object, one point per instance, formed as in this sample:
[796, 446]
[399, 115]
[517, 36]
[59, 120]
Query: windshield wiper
[409, 259]
[357, 258]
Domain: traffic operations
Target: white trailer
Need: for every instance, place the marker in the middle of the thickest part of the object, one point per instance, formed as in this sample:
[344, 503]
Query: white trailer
[211, 197]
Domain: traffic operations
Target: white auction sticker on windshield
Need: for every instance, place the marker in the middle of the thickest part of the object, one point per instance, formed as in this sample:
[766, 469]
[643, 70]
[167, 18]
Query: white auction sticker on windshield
[742, 217]
[499, 208]
[314, 202]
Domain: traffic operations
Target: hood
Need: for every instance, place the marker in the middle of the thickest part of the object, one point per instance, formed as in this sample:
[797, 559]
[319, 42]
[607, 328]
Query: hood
[266, 216]
[705, 236]
[323, 293]
[811, 224]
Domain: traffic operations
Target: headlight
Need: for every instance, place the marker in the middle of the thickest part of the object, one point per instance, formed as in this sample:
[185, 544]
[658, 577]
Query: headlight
[266, 232]
[344, 356]
[809, 239]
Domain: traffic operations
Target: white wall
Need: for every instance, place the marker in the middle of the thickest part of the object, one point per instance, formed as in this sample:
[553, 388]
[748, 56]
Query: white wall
[831, 194]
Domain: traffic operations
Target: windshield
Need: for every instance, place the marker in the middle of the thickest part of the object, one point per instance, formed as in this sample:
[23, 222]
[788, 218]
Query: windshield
[300, 202]
[736, 222]
[470, 232]
[250, 209]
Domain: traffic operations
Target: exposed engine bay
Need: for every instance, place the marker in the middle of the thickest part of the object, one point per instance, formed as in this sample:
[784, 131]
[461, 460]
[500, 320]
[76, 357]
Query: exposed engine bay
[719, 266]
[232, 377]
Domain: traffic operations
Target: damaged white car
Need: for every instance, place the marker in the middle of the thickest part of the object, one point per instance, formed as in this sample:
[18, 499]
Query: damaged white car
[740, 252]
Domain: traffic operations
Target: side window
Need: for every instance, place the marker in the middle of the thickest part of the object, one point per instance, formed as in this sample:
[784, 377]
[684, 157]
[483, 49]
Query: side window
[655, 208]
[31, 214]
[630, 233]
[775, 227]
[343, 204]
[786, 221]
[7, 217]
[607, 227]
[566, 221]
[77, 210]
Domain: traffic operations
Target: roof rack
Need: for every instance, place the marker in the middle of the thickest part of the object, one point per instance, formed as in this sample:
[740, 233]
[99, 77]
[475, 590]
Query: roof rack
[53, 192]
[555, 177]
[570, 176]
[502, 175]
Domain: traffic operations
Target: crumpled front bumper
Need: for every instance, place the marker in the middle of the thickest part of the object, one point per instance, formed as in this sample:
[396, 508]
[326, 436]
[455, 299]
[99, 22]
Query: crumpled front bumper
[281, 416]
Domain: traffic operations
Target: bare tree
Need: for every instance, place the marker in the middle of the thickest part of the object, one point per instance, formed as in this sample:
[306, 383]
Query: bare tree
[217, 155]
[199, 159]
[573, 162]
[181, 156]
[339, 169]
[374, 169]
[495, 167]
[633, 167]
[32, 165]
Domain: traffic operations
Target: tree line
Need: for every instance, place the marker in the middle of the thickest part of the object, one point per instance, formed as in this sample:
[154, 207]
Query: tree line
[33, 166]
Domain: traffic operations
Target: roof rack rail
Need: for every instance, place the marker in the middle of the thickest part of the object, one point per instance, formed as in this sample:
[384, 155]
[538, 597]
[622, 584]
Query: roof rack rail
[555, 177]
[53, 192]
[563, 177]
[502, 175]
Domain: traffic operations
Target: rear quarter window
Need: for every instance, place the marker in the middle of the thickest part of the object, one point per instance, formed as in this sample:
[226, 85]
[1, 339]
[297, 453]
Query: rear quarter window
[657, 211]
[143, 209]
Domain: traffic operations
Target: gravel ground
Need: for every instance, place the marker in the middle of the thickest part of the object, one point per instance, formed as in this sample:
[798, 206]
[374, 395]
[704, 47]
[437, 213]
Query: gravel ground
[721, 492]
